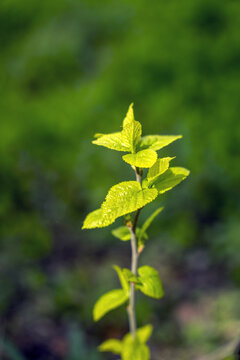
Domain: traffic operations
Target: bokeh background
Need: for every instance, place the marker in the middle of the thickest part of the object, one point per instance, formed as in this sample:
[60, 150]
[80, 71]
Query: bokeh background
[68, 69]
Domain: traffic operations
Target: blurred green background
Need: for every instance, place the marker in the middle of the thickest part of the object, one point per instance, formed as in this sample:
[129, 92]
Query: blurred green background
[71, 68]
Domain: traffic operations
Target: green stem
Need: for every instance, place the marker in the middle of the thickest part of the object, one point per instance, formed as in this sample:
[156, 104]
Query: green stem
[134, 264]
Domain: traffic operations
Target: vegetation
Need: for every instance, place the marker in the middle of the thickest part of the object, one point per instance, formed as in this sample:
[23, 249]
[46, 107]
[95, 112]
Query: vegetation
[68, 67]
[122, 200]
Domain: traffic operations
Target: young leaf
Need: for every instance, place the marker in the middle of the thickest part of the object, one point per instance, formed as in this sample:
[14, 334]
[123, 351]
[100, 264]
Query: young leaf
[159, 167]
[108, 302]
[146, 225]
[131, 277]
[133, 349]
[122, 277]
[121, 199]
[143, 159]
[112, 141]
[112, 345]
[96, 219]
[122, 233]
[144, 333]
[125, 198]
[157, 142]
[131, 134]
[151, 284]
[172, 177]
[129, 116]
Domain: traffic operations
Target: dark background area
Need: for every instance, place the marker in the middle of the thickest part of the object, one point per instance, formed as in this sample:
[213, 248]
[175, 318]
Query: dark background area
[69, 69]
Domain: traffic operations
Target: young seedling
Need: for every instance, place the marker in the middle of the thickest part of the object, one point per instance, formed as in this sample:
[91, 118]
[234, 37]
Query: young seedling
[127, 199]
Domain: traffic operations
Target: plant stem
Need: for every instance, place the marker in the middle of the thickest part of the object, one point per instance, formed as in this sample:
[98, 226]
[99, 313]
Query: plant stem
[134, 262]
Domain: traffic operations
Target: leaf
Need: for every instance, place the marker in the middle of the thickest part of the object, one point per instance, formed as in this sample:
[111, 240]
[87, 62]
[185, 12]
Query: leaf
[112, 141]
[111, 345]
[143, 159]
[96, 219]
[159, 167]
[172, 177]
[121, 199]
[151, 282]
[133, 349]
[122, 233]
[146, 225]
[131, 134]
[122, 277]
[108, 302]
[126, 197]
[129, 116]
[157, 142]
[144, 333]
[130, 276]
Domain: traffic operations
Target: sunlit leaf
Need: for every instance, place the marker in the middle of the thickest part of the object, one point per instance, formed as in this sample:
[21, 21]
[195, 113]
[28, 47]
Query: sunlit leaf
[151, 284]
[172, 177]
[144, 333]
[111, 345]
[143, 159]
[108, 302]
[122, 277]
[125, 198]
[131, 134]
[157, 142]
[159, 167]
[112, 141]
[96, 219]
[129, 116]
[133, 349]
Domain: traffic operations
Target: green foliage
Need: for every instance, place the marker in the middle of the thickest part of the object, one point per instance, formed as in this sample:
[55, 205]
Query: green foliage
[157, 142]
[130, 348]
[143, 159]
[172, 177]
[122, 233]
[150, 282]
[122, 200]
[111, 345]
[108, 302]
[159, 167]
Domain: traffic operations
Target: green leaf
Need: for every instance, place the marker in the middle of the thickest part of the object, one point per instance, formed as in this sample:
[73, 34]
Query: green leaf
[157, 142]
[133, 349]
[96, 219]
[172, 177]
[151, 284]
[159, 167]
[108, 302]
[111, 345]
[121, 199]
[146, 225]
[144, 333]
[122, 233]
[112, 141]
[130, 276]
[131, 134]
[129, 116]
[143, 159]
[122, 277]
[125, 198]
